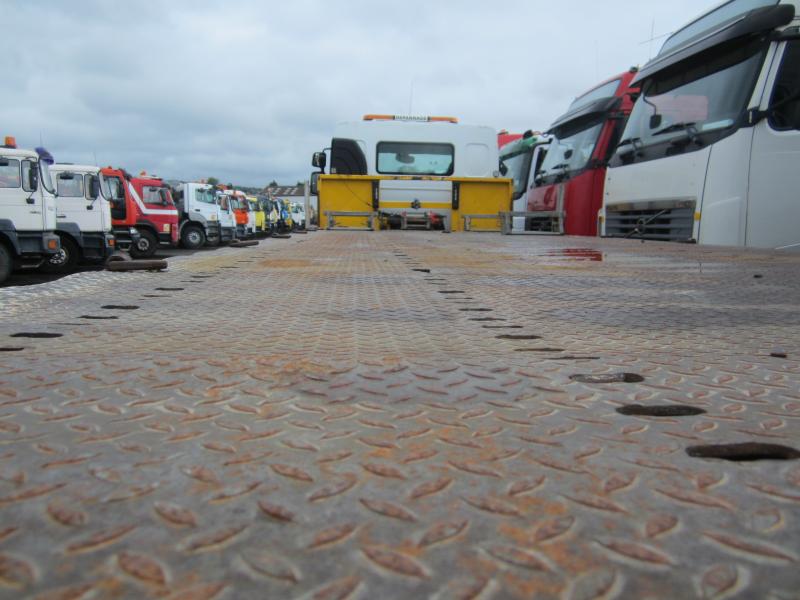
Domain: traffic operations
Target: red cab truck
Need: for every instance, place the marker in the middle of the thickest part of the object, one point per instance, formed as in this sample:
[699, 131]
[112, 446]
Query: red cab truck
[142, 209]
[570, 181]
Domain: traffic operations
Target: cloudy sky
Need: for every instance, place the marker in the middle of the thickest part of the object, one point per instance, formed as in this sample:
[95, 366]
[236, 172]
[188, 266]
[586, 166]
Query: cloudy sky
[246, 90]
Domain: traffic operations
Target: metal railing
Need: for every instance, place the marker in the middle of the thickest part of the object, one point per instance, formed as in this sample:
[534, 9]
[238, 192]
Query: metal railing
[556, 219]
[332, 214]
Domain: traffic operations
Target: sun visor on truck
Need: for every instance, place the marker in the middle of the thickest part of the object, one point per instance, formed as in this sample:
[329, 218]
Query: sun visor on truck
[752, 23]
[584, 114]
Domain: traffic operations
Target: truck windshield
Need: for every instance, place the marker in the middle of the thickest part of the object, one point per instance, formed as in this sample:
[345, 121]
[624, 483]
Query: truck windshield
[607, 90]
[205, 195]
[112, 187]
[716, 19]
[9, 173]
[414, 158]
[47, 180]
[708, 95]
[519, 166]
[69, 185]
[572, 151]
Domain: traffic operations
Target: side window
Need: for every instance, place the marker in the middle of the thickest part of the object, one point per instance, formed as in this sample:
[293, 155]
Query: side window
[69, 185]
[9, 173]
[152, 195]
[785, 100]
[27, 167]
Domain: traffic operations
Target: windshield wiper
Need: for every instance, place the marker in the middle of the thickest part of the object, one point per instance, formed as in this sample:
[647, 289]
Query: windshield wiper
[676, 127]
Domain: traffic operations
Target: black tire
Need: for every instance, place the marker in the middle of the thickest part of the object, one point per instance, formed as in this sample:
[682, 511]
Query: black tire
[193, 237]
[146, 246]
[6, 263]
[64, 260]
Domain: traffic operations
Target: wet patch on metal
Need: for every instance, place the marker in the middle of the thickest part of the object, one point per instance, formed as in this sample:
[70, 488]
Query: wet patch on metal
[744, 452]
[36, 335]
[608, 378]
[662, 410]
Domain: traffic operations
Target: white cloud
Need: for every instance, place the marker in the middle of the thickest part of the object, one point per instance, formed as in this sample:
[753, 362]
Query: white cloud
[246, 91]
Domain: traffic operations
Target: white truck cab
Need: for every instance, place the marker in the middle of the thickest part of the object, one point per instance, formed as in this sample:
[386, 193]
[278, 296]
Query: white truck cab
[27, 208]
[227, 218]
[199, 215]
[83, 217]
[521, 159]
[419, 157]
[710, 153]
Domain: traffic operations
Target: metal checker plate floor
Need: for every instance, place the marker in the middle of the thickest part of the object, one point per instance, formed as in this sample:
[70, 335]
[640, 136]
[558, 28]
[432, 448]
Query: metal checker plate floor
[393, 415]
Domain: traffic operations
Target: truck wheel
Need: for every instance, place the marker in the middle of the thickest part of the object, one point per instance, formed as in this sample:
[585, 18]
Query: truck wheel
[146, 246]
[192, 237]
[5, 263]
[64, 260]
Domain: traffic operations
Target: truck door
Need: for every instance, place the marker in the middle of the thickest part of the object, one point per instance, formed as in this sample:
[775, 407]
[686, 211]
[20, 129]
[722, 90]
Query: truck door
[71, 202]
[18, 201]
[773, 201]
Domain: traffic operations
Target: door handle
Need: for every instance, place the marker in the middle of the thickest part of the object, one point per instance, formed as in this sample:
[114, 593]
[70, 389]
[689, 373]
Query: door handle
[196, 210]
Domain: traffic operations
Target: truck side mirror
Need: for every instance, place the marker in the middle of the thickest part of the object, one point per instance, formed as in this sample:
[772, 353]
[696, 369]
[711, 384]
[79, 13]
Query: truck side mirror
[94, 187]
[503, 168]
[655, 121]
[319, 160]
[314, 184]
[33, 178]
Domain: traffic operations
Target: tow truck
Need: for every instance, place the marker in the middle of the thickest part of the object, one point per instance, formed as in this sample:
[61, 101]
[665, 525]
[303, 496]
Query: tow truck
[568, 191]
[710, 152]
[403, 172]
[520, 159]
[141, 206]
[199, 215]
[83, 218]
[27, 208]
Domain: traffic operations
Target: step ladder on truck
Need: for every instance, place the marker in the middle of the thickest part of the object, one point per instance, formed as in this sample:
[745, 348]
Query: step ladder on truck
[27, 208]
[83, 218]
[568, 187]
[710, 152]
[141, 208]
[389, 171]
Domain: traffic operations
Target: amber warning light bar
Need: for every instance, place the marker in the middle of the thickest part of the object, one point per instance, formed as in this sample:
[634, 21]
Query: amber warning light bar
[410, 118]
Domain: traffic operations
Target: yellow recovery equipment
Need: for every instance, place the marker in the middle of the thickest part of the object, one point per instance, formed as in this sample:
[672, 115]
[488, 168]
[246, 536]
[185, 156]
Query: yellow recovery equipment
[389, 172]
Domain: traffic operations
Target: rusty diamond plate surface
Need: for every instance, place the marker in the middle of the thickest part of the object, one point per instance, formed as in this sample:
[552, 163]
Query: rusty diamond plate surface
[362, 415]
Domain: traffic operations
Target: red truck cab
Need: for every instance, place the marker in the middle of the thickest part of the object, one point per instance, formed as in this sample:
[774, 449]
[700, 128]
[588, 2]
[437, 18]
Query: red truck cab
[141, 207]
[573, 173]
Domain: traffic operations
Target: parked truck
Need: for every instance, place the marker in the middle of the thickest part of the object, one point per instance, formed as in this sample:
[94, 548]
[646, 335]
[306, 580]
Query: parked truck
[141, 206]
[83, 218]
[520, 159]
[199, 215]
[429, 172]
[27, 208]
[568, 191]
[711, 151]
[227, 217]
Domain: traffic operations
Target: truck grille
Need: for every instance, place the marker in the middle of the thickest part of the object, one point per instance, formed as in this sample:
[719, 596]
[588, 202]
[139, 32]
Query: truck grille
[671, 224]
